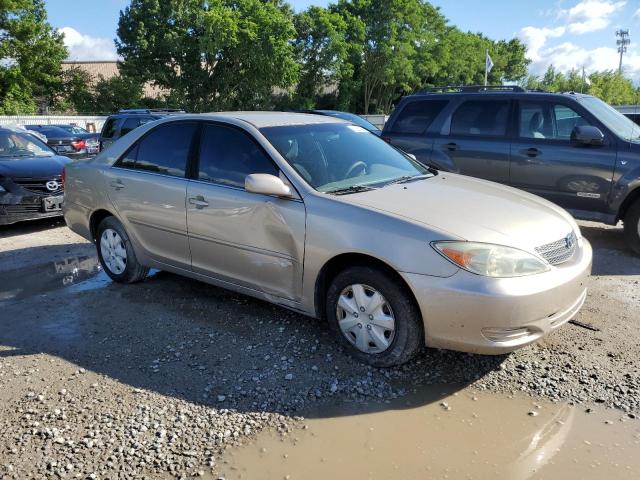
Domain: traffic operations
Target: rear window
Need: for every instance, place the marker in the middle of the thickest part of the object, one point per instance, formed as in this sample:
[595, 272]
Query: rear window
[481, 117]
[416, 116]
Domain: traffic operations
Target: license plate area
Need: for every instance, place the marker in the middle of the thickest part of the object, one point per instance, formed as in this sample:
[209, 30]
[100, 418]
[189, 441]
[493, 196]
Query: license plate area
[52, 204]
[62, 149]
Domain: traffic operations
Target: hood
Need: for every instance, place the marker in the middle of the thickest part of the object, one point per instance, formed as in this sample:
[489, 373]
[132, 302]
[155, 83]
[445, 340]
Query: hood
[32, 167]
[471, 209]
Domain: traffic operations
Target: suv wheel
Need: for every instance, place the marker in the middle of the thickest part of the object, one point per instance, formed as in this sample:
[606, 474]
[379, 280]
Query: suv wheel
[632, 227]
[116, 253]
[373, 317]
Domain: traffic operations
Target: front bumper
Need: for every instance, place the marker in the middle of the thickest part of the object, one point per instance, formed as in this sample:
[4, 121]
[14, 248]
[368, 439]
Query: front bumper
[477, 314]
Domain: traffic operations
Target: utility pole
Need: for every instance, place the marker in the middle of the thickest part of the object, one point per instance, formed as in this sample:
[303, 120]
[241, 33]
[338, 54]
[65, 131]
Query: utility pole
[622, 43]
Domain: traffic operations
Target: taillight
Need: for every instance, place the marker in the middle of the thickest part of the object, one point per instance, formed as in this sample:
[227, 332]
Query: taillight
[79, 144]
[63, 176]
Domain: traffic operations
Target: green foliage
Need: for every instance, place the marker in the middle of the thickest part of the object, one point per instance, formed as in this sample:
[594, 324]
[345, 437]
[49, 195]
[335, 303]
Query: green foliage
[219, 54]
[32, 52]
[321, 50]
[608, 85]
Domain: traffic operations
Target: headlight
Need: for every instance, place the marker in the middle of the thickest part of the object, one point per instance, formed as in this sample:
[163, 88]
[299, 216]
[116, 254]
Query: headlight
[491, 260]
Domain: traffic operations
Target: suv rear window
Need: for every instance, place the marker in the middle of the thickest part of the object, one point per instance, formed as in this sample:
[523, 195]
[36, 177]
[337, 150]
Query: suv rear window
[416, 116]
[481, 117]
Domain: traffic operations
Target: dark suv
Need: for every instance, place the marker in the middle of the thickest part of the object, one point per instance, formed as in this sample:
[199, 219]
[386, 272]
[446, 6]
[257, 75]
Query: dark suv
[124, 121]
[572, 149]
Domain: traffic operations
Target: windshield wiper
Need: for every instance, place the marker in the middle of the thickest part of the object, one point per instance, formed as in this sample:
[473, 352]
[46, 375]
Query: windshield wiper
[409, 178]
[351, 189]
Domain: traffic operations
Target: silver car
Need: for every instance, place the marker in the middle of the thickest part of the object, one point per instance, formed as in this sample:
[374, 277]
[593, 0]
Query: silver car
[319, 216]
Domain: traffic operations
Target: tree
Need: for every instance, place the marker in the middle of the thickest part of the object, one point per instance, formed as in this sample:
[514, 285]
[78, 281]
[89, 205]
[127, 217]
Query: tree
[391, 44]
[321, 51]
[32, 53]
[219, 54]
[115, 93]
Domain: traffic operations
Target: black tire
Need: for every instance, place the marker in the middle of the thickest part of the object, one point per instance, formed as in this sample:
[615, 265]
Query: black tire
[133, 271]
[632, 227]
[408, 337]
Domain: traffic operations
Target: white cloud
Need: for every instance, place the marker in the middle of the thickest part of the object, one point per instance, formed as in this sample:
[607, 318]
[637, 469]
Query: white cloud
[86, 47]
[637, 14]
[536, 38]
[590, 15]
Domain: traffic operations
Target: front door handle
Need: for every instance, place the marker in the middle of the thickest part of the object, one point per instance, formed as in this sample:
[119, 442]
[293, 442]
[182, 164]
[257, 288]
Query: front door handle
[199, 202]
[531, 152]
[117, 184]
[451, 146]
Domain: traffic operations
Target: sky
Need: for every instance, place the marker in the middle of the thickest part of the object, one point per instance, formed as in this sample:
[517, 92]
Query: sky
[565, 33]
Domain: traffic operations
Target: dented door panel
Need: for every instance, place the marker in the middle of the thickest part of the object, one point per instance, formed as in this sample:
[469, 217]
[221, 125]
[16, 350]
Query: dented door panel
[252, 240]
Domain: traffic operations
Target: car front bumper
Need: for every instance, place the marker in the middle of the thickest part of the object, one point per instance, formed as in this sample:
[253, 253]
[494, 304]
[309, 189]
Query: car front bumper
[477, 314]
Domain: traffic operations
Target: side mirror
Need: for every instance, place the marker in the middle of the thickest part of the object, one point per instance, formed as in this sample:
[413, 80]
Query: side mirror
[266, 184]
[587, 135]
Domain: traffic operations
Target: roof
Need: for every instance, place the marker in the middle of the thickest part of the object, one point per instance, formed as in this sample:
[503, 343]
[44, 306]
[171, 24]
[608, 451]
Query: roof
[276, 119]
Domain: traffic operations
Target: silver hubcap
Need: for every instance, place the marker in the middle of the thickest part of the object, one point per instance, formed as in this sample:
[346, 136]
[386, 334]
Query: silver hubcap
[365, 318]
[114, 253]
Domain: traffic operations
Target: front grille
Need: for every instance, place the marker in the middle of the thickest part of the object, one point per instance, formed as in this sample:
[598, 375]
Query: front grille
[559, 251]
[40, 185]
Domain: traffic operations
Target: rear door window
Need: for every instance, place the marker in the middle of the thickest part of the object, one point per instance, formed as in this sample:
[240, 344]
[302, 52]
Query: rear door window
[481, 118]
[164, 150]
[416, 116]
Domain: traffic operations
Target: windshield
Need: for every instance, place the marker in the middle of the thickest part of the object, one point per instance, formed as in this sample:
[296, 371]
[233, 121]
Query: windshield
[613, 119]
[336, 156]
[353, 118]
[14, 144]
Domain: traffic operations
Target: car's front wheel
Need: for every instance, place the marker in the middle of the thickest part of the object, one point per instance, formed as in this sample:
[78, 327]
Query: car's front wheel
[374, 317]
[116, 253]
[632, 227]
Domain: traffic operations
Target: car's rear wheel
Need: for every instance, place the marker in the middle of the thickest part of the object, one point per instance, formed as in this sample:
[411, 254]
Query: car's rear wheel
[632, 227]
[373, 317]
[116, 253]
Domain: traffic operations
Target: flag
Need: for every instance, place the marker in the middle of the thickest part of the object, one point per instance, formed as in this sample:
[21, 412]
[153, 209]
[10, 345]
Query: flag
[488, 63]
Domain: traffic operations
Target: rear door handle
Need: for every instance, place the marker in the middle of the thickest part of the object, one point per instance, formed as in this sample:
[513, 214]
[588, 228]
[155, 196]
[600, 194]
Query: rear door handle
[117, 184]
[531, 152]
[199, 202]
[452, 146]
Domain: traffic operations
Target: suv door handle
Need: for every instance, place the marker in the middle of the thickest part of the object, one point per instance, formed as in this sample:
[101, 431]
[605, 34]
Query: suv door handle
[117, 184]
[452, 147]
[531, 152]
[199, 202]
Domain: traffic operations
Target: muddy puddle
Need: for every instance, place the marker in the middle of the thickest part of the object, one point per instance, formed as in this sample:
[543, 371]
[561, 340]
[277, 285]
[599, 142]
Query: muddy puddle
[464, 436]
[78, 272]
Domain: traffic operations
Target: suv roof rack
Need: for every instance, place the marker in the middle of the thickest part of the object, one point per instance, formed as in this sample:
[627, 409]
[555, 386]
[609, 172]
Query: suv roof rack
[150, 110]
[471, 89]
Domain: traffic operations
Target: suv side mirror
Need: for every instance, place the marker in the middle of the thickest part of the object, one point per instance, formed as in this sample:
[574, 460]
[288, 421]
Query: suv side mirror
[266, 184]
[587, 135]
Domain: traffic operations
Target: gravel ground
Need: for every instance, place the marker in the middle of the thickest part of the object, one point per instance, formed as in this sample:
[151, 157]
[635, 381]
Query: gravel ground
[156, 379]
